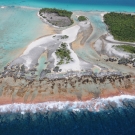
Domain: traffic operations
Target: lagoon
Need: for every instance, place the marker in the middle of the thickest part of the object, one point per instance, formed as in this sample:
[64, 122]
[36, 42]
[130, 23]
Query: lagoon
[18, 28]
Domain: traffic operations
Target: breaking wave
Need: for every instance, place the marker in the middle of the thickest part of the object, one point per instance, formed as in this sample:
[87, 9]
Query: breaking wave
[94, 105]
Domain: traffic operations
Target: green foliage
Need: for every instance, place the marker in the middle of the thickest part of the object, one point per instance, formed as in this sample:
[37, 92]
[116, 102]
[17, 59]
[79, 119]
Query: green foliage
[82, 18]
[64, 54]
[121, 26]
[58, 11]
[127, 48]
[64, 37]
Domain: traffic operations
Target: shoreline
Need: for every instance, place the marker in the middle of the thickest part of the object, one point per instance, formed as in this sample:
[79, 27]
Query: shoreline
[61, 98]
[93, 105]
[62, 89]
[93, 80]
[72, 80]
[101, 11]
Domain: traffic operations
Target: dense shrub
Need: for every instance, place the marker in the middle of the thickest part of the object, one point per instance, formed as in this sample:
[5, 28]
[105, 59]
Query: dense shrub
[82, 18]
[127, 48]
[60, 12]
[121, 26]
[63, 54]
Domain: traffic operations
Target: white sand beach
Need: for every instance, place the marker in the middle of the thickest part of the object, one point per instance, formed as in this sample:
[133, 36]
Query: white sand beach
[45, 43]
[72, 65]
[2, 6]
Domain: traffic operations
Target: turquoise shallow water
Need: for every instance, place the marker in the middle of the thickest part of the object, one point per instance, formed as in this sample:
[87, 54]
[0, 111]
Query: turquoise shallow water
[18, 28]
[41, 63]
[102, 5]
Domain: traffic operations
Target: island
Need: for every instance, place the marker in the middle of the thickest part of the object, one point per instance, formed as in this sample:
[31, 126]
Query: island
[121, 26]
[57, 17]
[82, 18]
[63, 54]
[84, 59]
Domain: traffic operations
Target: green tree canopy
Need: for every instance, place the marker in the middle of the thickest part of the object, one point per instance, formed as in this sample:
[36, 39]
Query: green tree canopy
[121, 26]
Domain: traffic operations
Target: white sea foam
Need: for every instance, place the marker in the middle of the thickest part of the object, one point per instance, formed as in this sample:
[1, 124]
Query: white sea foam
[77, 106]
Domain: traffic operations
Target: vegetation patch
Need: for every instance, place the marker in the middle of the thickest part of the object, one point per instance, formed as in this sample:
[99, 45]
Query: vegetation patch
[63, 54]
[57, 17]
[58, 11]
[121, 26]
[82, 18]
[64, 37]
[126, 48]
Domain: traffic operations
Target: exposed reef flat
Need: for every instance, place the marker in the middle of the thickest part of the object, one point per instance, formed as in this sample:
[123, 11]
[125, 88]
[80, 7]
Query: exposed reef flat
[73, 86]
[93, 67]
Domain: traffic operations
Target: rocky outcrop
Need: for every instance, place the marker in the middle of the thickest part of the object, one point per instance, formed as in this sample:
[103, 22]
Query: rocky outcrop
[72, 86]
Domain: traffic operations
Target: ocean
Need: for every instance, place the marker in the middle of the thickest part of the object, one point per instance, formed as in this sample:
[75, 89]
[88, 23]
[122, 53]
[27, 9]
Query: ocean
[87, 5]
[41, 119]
[19, 26]
[115, 122]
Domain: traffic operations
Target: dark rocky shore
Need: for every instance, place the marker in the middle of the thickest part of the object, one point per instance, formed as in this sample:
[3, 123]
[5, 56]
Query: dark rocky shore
[57, 17]
[57, 20]
[23, 85]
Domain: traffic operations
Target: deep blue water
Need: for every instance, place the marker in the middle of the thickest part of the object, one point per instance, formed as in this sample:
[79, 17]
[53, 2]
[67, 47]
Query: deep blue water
[113, 122]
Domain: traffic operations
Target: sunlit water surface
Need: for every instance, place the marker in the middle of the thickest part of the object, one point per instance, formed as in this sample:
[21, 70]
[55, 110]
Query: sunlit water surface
[18, 28]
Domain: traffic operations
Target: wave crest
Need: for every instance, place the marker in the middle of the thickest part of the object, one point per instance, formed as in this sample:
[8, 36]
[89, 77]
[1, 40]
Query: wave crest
[91, 105]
